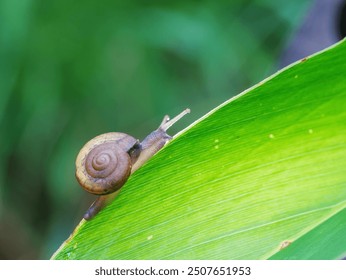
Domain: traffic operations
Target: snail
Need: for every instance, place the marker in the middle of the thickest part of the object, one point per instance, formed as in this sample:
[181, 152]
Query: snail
[105, 163]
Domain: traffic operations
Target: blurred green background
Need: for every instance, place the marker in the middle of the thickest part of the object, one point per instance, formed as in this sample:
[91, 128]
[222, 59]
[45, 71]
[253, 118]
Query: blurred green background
[70, 70]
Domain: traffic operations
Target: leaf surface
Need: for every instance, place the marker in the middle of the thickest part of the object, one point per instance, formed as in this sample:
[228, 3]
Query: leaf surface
[262, 168]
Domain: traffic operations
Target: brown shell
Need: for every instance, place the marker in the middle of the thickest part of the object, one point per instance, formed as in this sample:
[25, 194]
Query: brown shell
[103, 164]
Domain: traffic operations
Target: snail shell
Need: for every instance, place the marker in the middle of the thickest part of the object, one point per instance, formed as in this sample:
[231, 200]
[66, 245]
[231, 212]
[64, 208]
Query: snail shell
[104, 163]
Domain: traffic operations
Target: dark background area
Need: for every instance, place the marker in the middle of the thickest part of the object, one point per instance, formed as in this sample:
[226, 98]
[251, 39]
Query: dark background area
[70, 70]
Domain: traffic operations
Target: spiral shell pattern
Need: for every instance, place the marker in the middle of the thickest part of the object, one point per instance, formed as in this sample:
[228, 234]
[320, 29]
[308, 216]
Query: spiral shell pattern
[103, 165]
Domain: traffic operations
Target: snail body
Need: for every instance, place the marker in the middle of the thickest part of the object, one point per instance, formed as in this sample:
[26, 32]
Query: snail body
[105, 162]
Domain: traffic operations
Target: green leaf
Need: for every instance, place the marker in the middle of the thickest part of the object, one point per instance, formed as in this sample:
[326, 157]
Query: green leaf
[326, 241]
[265, 167]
